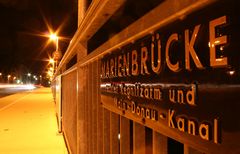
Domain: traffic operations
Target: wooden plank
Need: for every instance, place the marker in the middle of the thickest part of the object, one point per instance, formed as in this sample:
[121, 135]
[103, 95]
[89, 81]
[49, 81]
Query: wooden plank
[190, 150]
[138, 138]
[106, 131]
[97, 14]
[124, 135]
[114, 132]
[159, 143]
[87, 111]
[81, 112]
[94, 94]
[99, 113]
[89, 82]
[156, 18]
[82, 7]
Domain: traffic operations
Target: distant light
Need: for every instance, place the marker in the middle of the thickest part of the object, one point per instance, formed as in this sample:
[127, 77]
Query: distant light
[231, 72]
[18, 81]
[30, 86]
[9, 76]
[51, 61]
[0, 74]
[50, 73]
[29, 74]
[27, 87]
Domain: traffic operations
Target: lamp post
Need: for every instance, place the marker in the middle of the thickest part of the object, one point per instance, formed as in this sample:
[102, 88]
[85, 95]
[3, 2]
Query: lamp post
[52, 61]
[29, 78]
[40, 78]
[56, 54]
[0, 77]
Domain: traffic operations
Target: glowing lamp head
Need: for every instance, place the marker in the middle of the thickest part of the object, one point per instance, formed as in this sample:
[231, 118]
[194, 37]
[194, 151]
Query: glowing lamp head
[53, 37]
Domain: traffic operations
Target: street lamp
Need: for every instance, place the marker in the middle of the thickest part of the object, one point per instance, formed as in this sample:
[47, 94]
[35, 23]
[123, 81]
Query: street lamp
[0, 77]
[54, 37]
[56, 54]
[29, 79]
[9, 76]
[40, 78]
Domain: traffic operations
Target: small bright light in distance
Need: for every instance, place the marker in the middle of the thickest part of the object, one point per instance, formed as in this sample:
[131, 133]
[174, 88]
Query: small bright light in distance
[30, 87]
[231, 72]
[29, 74]
[51, 60]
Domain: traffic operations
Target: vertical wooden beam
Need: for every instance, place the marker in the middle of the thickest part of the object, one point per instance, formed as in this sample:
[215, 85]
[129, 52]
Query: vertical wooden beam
[159, 143]
[89, 81]
[94, 105]
[114, 132]
[124, 135]
[81, 50]
[138, 139]
[81, 112]
[190, 150]
[186, 149]
[82, 7]
[99, 113]
[87, 112]
[106, 131]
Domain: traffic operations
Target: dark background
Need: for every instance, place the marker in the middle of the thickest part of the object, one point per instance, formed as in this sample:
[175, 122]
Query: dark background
[23, 24]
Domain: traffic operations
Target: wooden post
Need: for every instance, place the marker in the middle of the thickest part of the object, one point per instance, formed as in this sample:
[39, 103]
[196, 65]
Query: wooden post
[82, 7]
[159, 143]
[138, 139]
[99, 113]
[114, 132]
[106, 131]
[81, 112]
[190, 150]
[124, 135]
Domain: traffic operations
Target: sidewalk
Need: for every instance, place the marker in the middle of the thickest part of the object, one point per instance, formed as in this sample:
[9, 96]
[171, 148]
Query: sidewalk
[28, 124]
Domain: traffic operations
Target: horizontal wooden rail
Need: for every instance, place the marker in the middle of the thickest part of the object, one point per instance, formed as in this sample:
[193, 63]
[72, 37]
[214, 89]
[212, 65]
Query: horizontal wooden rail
[153, 20]
[97, 14]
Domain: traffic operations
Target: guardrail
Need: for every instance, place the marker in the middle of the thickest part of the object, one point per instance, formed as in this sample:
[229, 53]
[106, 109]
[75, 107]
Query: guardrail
[91, 126]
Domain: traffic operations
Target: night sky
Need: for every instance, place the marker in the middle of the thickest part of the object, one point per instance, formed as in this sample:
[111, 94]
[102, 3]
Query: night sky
[23, 24]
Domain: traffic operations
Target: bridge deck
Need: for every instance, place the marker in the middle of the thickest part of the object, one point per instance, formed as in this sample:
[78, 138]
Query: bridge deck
[28, 124]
